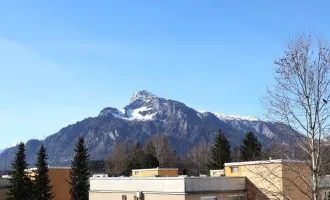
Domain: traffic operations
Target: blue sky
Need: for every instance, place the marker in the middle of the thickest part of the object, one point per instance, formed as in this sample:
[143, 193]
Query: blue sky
[63, 61]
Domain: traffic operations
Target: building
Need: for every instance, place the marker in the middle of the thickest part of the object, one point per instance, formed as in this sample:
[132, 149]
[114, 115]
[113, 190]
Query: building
[324, 187]
[167, 188]
[273, 179]
[4, 182]
[59, 177]
[159, 172]
[268, 179]
[217, 172]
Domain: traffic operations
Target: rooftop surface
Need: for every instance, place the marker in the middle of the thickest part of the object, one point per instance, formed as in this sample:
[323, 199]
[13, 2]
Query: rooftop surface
[154, 169]
[263, 162]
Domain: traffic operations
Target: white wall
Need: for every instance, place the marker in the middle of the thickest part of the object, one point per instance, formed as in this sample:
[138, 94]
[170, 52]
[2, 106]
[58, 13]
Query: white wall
[168, 184]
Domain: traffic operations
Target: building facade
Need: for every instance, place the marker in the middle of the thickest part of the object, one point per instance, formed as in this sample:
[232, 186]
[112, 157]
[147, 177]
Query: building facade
[256, 180]
[4, 182]
[59, 177]
[273, 179]
[167, 188]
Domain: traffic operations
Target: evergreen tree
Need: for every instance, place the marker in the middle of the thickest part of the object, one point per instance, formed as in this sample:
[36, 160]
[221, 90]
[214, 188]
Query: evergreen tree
[250, 148]
[20, 185]
[149, 160]
[79, 174]
[42, 188]
[136, 157]
[220, 152]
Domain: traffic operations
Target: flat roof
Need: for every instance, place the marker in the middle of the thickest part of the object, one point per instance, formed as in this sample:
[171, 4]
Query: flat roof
[263, 162]
[154, 169]
[164, 178]
[34, 168]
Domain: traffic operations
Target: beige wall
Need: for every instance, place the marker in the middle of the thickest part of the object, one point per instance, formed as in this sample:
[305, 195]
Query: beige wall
[264, 180]
[59, 180]
[3, 192]
[276, 180]
[294, 185]
[158, 172]
[229, 173]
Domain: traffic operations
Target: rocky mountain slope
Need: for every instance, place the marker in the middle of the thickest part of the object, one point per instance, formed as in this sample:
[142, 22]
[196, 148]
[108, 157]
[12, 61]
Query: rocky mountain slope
[144, 116]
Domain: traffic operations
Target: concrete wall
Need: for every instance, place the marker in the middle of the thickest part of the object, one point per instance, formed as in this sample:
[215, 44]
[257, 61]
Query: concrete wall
[223, 196]
[59, 178]
[201, 184]
[130, 196]
[169, 184]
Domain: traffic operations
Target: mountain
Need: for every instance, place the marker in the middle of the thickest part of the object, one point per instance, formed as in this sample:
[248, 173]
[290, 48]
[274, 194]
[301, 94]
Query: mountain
[145, 115]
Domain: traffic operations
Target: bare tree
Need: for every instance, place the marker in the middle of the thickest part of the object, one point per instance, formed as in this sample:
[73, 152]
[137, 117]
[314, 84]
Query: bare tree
[118, 161]
[162, 150]
[299, 100]
[198, 158]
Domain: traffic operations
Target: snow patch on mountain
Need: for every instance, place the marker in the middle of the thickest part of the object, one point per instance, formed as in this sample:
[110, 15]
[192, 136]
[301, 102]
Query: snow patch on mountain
[142, 113]
[113, 111]
[13, 144]
[231, 117]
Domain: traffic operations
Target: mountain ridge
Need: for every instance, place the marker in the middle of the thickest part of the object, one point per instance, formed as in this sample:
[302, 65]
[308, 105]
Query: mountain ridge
[144, 116]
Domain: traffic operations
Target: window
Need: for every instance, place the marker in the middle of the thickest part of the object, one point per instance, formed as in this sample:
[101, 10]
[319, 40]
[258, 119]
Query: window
[209, 198]
[214, 173]
[236, 197]
[136, 173]
[234, 169]
[124, 197]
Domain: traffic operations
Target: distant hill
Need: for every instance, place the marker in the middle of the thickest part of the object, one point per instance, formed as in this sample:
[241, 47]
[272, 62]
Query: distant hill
[145, 115]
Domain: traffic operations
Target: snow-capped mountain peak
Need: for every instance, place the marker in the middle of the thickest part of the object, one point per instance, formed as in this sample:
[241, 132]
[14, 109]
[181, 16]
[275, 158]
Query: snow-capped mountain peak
[112, 111]
[142, 95]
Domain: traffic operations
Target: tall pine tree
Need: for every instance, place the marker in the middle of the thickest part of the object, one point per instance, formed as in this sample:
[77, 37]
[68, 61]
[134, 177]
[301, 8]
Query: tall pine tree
[250, 148]
[79, 174]
[220, 152]
[20, 185]
[42, 190]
